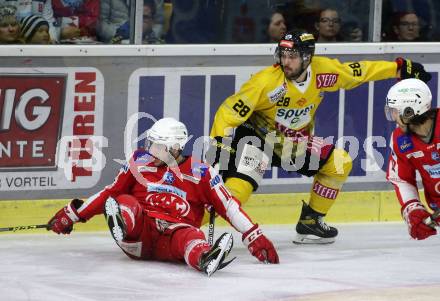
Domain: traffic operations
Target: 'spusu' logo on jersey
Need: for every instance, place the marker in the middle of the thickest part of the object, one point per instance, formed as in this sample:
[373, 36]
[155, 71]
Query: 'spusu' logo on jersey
[294, 118]
[326, 80]
[404, 143]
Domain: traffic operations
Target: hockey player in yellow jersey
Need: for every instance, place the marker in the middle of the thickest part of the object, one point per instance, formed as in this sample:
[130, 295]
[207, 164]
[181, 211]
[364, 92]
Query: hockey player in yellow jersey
[270, 122]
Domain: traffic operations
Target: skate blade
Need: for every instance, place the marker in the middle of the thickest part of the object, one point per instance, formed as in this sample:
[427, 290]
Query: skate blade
[224, 264]
[225, 245]
[308, 239]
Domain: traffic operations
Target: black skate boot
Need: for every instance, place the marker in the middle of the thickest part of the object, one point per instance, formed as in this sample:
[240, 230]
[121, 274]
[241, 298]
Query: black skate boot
[311, 228]
[213, 260]
[115, 222]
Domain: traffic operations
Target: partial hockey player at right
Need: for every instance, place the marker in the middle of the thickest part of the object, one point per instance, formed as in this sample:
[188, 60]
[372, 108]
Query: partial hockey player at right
[415, 147]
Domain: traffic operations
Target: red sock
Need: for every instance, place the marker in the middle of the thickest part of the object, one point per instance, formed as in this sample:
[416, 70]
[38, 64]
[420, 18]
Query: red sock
[194, 250]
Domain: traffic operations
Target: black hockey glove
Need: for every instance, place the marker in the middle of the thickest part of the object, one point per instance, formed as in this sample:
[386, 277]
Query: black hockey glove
[219, 152]
[410, 69]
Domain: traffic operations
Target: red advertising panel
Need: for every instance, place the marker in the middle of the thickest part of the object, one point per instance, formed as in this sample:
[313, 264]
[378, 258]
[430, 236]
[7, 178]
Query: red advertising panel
[31, 108]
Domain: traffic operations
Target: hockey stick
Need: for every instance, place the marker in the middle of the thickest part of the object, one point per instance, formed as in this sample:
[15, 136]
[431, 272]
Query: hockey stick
[17, 228]
[211, 225]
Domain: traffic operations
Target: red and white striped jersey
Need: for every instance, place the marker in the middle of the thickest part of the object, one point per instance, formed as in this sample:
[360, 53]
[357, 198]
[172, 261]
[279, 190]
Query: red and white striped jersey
[410, 154]
[178, 195]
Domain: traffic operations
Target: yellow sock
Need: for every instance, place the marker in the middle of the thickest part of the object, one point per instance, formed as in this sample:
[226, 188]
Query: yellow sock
[329, 180]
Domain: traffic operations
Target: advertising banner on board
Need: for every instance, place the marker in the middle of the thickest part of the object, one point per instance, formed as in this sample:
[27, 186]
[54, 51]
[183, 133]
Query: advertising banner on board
[51, 122]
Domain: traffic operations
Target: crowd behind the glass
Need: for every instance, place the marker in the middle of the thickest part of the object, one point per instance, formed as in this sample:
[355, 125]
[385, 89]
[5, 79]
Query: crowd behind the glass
[107, 22]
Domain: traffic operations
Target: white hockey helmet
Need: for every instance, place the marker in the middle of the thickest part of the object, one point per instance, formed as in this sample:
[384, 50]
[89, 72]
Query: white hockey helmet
[408, 98]
[169, 132]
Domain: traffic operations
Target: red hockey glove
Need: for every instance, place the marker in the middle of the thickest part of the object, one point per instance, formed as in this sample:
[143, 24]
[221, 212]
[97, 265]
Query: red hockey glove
[414, 214]
[259, 245]
[64, 219]
[410, 69]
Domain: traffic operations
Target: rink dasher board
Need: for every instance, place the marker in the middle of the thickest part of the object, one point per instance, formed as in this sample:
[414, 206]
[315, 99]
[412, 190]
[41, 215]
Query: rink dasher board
[211, 72]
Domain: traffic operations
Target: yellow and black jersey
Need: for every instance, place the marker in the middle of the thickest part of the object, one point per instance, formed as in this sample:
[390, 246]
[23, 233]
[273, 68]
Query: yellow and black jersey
[271, 103]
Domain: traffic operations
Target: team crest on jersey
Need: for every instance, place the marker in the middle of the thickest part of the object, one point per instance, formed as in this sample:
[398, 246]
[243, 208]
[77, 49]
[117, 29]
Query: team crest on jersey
[435, 156]
[326, 80]
[404, 143]
[277, 94]
[168, 177]
[171, 203]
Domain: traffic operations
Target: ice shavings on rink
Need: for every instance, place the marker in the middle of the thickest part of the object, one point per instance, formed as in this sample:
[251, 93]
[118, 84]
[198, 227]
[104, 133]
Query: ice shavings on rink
[368, 262]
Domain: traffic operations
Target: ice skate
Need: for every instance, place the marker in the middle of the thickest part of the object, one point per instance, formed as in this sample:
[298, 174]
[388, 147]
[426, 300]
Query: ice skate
[114, 219]
[214, 259]
[311, 228]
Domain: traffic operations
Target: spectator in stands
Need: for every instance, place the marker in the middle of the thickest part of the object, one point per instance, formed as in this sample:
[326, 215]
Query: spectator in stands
[276, 27]
[352, 31]
[78, 18]
[159, 18]
[35, 30]
[167, 13]
[301, 15]
[200, 22]
[243, 25]
[114, 24]
[148, 34]
[9, 26]
[42, 8]
[328, 26]
[113, 16]
[406, 27]
[425, 10]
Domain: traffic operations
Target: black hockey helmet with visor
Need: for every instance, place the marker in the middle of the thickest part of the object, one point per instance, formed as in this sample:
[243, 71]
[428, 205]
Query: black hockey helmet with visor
[296, 43]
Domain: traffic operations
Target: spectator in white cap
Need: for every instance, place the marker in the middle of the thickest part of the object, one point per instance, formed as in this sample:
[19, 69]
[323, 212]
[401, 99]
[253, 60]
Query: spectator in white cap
[9, 26]
[35, 30]
[42, 8]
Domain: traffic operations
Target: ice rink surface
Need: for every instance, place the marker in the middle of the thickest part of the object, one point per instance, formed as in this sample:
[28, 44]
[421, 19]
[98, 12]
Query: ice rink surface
[374, 261]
